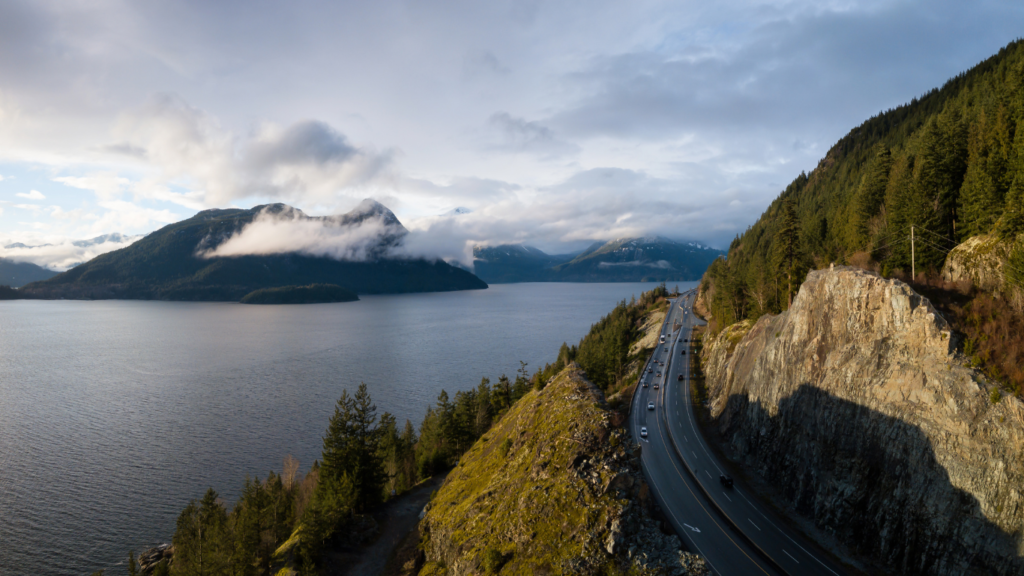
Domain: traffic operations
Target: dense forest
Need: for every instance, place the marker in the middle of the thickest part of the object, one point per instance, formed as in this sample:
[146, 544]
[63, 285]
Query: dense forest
[292, 520]
[895, 195]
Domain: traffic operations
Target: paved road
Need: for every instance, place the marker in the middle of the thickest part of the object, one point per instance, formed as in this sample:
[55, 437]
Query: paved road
[734, 532]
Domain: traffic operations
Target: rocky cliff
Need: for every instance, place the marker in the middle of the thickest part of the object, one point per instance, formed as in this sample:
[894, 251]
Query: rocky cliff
[553, 488]
[854, 405]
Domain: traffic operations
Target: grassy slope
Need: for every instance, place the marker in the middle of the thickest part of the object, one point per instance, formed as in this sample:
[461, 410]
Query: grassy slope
[521, 493]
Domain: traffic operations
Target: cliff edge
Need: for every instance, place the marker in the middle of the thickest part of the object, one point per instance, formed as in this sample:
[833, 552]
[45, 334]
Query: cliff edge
[553, 488]
[854, 406]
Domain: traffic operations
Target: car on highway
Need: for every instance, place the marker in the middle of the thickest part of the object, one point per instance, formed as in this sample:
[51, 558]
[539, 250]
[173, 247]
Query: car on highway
[643, 431]
[684, 352]
[680, 378]
[650, 405]
[726, 480]
[645, 384]
[655, 386]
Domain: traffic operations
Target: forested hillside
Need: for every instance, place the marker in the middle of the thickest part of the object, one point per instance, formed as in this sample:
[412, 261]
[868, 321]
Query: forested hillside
[895, 195]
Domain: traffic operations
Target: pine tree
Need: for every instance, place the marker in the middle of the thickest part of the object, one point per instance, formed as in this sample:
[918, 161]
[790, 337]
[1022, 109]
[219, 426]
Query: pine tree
[202, 543]
[133, 566]
[786, 248]
[351, 448]
[871, 192]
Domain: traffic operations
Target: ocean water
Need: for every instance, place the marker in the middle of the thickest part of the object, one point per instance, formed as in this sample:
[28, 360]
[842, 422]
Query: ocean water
[113, 414]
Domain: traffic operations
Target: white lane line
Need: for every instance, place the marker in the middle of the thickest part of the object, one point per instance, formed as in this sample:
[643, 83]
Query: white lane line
[755, 525]
[685, 440]
[729, 499]
[790, 555]
[708, 473]
[694, 453]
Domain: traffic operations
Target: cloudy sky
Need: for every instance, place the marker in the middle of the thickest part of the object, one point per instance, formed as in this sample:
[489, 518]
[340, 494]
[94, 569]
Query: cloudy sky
[557, 123]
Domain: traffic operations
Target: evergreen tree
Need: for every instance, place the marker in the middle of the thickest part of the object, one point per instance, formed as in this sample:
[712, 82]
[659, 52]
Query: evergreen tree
[484, 409]
[871, 193]
[787, 249]
[201, 540]
[501, 395]
[133, 566]
[351, 448]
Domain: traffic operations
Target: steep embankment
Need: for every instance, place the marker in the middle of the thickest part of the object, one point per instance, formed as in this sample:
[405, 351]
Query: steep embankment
[855, 407]
[553, 488]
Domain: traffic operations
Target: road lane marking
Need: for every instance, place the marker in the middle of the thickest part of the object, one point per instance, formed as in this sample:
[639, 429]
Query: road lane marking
[755, 525]
[694, 528]
[675, 467]
[790, 555]
[729, 499]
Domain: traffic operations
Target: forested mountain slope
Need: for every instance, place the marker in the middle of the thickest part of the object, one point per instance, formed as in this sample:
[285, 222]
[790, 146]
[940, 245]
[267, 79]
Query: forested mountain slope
[176, 263]
[944, 168]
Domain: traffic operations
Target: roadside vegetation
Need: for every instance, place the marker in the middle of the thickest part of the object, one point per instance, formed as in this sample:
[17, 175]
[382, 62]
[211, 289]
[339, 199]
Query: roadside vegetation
[944, 168]
[289, 523]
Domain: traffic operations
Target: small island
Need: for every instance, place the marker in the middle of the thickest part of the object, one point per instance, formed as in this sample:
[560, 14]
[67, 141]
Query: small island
[312, 294]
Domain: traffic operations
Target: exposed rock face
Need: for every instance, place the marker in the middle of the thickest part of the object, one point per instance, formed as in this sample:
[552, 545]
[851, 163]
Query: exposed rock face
[553, 488]
[980, 260]
[855, 407]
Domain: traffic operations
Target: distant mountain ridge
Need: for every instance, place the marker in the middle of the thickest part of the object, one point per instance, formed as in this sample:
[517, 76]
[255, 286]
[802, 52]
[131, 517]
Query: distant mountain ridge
[17, 274]
[653, 259]
[175, 262]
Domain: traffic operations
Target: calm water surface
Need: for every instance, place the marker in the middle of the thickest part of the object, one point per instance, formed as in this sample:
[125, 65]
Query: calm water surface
[114, 414]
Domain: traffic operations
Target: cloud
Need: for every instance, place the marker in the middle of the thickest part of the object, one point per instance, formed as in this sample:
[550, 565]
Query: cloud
[367, 239]
[106, 185]
[308, 161]
[33, 195]
[519, 135]
[64, 253]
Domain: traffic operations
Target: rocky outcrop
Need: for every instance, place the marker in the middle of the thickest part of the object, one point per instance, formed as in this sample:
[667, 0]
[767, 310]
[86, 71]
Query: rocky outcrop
[553, 488]
[149, 559]
[980, 261]
[854, 405]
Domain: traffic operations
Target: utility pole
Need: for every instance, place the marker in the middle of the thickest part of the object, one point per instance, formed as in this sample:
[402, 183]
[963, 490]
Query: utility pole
[913, 265]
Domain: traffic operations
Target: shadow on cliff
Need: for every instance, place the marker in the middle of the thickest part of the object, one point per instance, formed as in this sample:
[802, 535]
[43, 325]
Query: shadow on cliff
[869, 479]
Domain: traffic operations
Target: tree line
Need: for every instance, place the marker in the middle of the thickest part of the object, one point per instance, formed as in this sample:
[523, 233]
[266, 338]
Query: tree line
[292, 519]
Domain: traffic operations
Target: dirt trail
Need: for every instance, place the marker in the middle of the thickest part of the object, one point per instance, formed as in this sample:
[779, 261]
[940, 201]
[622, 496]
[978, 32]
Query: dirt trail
[396, 519]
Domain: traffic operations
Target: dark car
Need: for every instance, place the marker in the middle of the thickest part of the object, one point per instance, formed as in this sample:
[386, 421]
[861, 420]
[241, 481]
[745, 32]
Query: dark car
[655, 386]
[726, 480]
[680, 378]
[683, 353]
[686, 339]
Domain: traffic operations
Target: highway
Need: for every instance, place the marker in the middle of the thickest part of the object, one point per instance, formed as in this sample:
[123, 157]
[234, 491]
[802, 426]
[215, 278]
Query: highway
[734, 532]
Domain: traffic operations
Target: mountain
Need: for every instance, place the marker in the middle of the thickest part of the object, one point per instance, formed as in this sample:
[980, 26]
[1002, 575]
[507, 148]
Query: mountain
[514, 263]
[639, 260]
[17, 274]
[225, 254]
[897, 195]
[623, 260]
